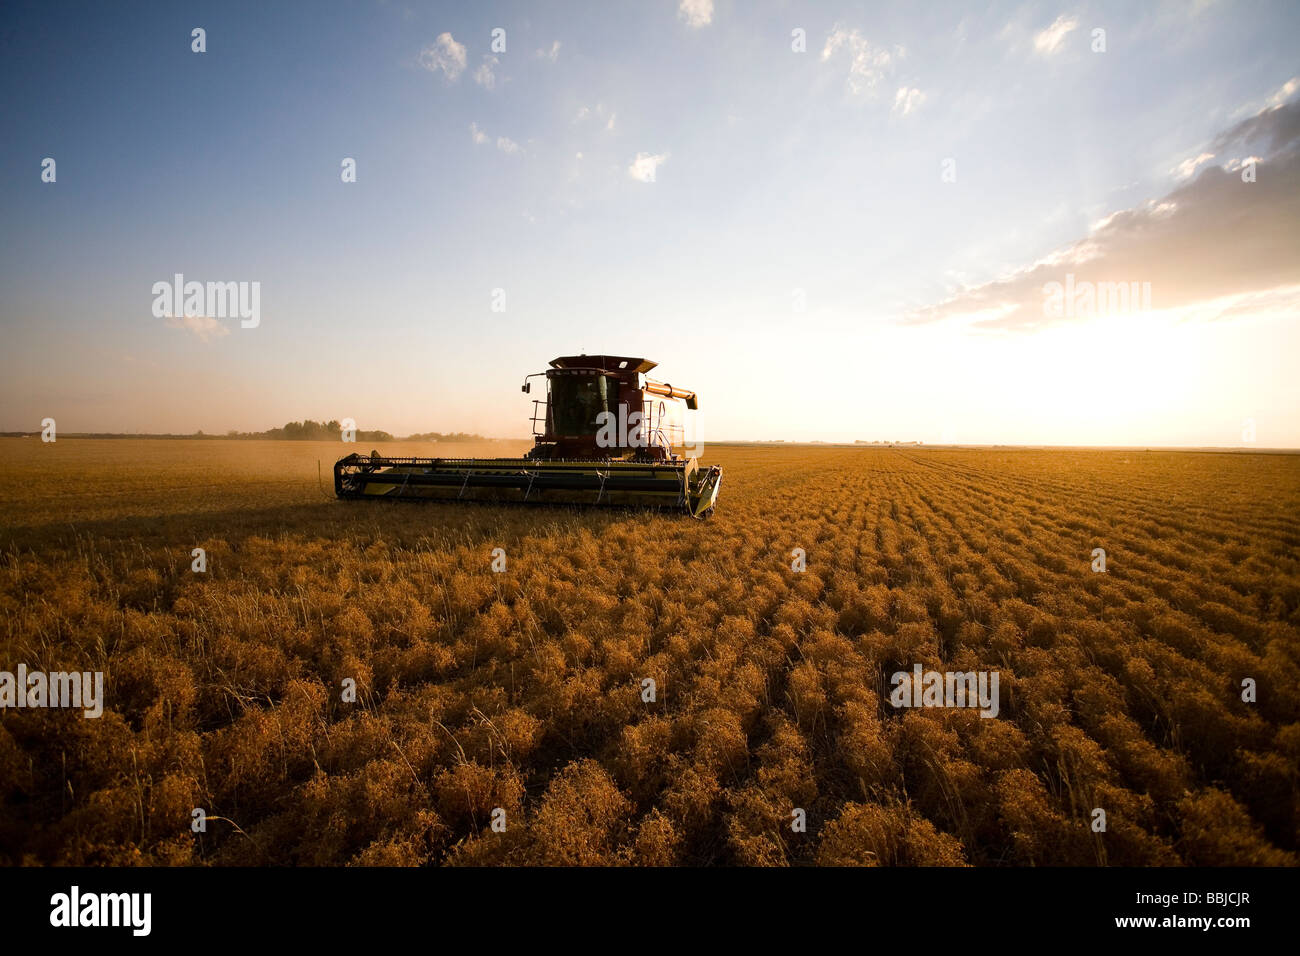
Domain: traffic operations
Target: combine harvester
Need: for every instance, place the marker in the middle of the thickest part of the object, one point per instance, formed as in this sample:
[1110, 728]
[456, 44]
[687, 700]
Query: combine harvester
[607, 438]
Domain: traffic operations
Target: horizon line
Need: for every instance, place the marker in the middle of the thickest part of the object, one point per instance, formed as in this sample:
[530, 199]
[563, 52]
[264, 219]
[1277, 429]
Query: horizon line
[856, 443]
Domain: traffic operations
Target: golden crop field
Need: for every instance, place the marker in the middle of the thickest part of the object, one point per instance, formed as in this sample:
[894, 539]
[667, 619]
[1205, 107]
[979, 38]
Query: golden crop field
[519, 696]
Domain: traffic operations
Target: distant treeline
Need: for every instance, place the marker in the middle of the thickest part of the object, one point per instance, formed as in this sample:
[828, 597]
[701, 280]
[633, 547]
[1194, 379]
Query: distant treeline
[444, 436]
[291, 431]
[310, 431]
[333, 430]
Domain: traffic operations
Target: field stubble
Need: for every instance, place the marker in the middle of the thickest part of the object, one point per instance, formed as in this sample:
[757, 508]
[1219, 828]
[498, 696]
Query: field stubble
[522, 690]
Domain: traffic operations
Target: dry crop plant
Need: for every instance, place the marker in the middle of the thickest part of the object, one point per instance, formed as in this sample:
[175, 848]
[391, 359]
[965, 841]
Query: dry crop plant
[624, 687]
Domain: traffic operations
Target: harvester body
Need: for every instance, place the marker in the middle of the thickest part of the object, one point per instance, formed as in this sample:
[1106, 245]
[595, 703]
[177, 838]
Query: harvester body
[603, 435]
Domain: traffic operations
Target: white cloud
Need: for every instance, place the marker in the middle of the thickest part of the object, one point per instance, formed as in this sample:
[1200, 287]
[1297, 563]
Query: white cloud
[484, 75]
[552, 54]
[444, 54]
[1233, 165]
[1188, 166]
[1208, 240]
[696, 13]
[868, 65]
[645, 165]
[204, 326]
[1047, 42]
[600, 111]
[906, 100]
[504, 143]
[1284, 93]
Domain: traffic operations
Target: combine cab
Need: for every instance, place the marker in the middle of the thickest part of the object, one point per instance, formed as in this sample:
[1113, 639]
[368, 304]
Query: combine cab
[604, 435]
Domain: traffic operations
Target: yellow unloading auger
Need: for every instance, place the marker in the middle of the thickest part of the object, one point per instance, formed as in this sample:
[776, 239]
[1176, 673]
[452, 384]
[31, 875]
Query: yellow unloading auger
[607, 437]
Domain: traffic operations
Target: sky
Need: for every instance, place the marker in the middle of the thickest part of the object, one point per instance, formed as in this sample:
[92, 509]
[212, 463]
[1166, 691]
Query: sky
[834, 221]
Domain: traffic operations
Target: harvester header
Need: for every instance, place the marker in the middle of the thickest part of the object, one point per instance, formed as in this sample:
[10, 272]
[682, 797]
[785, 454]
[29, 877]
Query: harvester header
[605, 434]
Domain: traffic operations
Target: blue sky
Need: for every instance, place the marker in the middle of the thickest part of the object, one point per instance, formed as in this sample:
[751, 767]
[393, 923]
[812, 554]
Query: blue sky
[657, 178]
